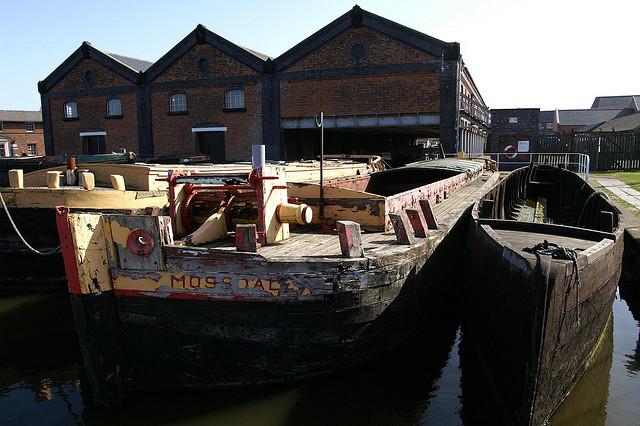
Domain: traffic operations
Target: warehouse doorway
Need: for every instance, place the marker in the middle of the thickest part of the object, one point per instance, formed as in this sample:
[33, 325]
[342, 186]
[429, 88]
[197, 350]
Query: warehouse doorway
[210, 141]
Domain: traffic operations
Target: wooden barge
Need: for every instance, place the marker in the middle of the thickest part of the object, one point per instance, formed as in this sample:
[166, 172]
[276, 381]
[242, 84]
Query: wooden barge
[142, 188]
[155, 310]
[545, 254]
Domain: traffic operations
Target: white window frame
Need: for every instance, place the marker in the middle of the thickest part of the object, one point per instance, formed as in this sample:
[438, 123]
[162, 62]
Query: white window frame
[178, 102]
[35, 149]
[71, 109]
[28, 124]
[5, 149]
[234, 99]
[112, 110]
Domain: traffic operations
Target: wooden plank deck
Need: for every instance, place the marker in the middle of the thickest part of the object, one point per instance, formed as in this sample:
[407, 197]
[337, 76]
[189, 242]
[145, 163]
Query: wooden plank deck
[309, 244]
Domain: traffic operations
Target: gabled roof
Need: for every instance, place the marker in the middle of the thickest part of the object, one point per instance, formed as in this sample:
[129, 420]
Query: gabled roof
[201, 35]
[133, 63]
[582, 117]
[547, 116]
[621, 124]
[357, 18]
[630, 101]
[85, 51]
[21, 116]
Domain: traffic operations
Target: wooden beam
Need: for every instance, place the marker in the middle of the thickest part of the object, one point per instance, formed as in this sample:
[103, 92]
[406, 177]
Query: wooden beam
[16, 179]
[429, 216]
[402, 227]
[88, 180]
[118, 183]
[350, 240]
[53, 179]
[418, 222]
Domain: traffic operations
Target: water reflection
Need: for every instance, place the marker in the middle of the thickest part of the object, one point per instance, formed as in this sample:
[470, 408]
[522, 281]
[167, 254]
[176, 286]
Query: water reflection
[38, 369]
[434, 378]
[587, 402]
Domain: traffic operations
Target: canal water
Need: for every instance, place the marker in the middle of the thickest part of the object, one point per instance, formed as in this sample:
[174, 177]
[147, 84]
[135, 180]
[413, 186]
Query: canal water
[429, 380]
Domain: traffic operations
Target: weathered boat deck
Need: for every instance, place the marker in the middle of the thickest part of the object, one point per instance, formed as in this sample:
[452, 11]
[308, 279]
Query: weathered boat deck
[309, 244]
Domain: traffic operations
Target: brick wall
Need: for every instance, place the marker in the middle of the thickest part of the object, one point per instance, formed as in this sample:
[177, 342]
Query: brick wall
[220, 65]
[17, 133]
[387, 93]
[505, 133]
[121, 132]
[393, 93]
[172, 134]
[102, 77]
[379, 50]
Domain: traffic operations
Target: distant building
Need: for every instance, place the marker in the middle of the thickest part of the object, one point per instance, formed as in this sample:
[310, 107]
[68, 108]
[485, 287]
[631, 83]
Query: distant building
[21, 133]
[382, 87]
[512, 130]
[631, 102]
[628, 123]
[603, 110]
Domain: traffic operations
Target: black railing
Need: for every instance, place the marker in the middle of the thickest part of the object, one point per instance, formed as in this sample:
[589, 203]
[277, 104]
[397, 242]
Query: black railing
[474, 109]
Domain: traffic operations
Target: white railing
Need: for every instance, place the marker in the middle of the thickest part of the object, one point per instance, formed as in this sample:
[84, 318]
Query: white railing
[573, 161]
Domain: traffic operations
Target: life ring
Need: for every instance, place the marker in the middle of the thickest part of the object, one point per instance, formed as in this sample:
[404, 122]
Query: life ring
[510, 152]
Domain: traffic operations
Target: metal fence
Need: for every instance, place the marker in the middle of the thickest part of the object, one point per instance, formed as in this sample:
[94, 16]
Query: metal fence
[607, 150]
[576, 162]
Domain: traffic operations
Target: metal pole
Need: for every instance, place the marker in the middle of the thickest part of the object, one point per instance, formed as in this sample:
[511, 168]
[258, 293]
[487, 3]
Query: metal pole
[321, 125]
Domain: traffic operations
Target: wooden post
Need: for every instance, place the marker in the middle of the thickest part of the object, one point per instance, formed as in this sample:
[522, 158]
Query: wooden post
[53, 179]
[418, 222]
[606, 221]
[429, 216]
[117, 183]
[402, 227]
[16, 179]
[246, 237]
[350, 241]
[88, 181]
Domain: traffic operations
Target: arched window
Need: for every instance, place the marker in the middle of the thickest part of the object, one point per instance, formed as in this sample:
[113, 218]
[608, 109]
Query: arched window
[88, 78]
[70, 110]
[234, 99]
[203, 66]
[114, 107]
[178, 102]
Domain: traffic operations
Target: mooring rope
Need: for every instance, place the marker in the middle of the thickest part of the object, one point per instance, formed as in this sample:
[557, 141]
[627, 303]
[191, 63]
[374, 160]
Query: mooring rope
[15, 228]
[563, 253]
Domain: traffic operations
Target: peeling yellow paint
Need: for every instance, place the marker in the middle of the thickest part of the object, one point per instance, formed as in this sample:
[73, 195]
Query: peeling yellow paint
[119, 233]
[142, 284]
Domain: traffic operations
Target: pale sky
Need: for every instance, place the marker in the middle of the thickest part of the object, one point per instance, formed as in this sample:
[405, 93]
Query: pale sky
[521, 53]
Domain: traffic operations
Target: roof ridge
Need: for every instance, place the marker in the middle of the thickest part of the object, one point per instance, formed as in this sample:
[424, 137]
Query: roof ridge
[125, 56]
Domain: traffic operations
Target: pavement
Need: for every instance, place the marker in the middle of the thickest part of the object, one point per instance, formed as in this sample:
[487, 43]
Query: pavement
[621, 190]
[629, 214]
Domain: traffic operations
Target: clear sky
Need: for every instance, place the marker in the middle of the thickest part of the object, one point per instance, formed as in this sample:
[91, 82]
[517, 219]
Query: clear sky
[521, 53]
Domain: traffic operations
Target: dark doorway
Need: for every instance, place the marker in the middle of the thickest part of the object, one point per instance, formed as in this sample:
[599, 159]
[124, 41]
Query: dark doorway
[93, 145]
[211, 144]
[396, 145]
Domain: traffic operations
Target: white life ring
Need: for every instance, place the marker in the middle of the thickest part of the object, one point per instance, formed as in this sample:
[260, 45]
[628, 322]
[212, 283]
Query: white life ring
[510, 152]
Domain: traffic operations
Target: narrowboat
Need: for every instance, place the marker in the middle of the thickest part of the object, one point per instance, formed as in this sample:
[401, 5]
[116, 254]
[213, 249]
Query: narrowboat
[544, 259]
[29, 206]
[261, 291]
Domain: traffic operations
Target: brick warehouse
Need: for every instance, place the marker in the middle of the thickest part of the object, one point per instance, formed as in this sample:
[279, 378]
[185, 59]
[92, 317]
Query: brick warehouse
[21, 133]
[383, 87]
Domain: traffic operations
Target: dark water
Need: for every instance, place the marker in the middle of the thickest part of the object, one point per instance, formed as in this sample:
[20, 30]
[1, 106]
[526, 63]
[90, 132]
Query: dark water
[429, 380]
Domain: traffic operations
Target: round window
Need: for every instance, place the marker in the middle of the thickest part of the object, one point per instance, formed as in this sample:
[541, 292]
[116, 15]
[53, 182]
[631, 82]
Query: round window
[358, 51]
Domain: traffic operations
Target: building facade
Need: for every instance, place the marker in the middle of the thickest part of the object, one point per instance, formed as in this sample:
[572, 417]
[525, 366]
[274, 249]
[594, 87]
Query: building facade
[381, 86]
[514, 130]
[21, 133]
